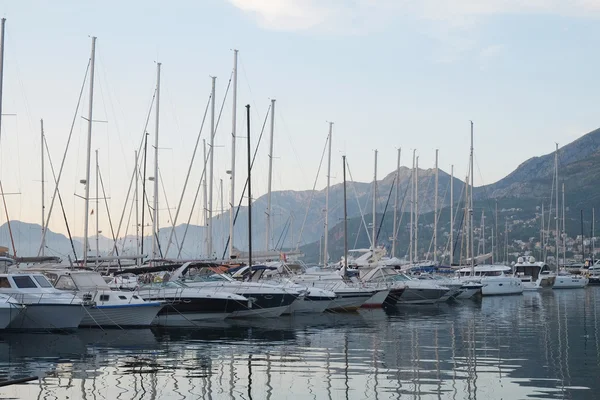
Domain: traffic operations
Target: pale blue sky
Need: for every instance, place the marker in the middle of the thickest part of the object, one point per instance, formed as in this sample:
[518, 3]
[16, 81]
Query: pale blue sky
[389, 73]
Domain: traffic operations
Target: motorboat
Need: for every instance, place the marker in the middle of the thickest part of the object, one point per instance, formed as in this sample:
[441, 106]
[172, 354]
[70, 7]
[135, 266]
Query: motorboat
[107, 308]
[496, 279]
[415, 291]
[45, 307]
[349, 296]
[534, 275]
[185, 306]
[9, 310]
[267, 300]
[312, 300]
[594, 274]
[566, 280]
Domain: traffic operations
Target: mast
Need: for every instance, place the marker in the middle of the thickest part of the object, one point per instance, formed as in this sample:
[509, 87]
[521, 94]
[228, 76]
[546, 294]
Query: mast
[543, 235]
[482, 231]
[155, 227]
[506, 238]
[97, 214]
[417, 209]
[211, 155]
[2, 24]
[270, 178]
[43, 206]
[326, 235]
[205, 200]
[232, 171]
[249, 188]
[593, 234]
[435, 213]
[89, 150]
[345, 220]
[582, 241]
[374, 227]
[395, 235]
[496, 258]
[556, 238]
[144, 192]
[471, 208]
[564, 227]
[451, 214]
[412, 208]
[137, 210]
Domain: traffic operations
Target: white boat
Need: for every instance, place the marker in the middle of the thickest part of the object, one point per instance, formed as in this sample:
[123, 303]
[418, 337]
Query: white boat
[187, 306]
[312, 300]
[496, 279]
[9, 310]
[268, 301]
[565, 280]
[46, 308]
[534, 275]
[108, 308]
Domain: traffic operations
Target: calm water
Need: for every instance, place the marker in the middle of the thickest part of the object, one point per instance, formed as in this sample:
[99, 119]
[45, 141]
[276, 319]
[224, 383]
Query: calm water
[531, 346]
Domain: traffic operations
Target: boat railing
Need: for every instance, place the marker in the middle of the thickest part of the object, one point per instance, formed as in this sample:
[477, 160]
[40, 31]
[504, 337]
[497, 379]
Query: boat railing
[38, 298]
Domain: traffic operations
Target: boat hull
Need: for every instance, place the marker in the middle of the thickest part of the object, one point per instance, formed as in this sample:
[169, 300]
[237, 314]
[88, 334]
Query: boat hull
[130, 315]
[377, 300]
[500, 286]
[48, 317]
[8, 314]
[192, 311]
[349, 301]
[309, 304]
[467, 292]
[421, 295]
[570, 282]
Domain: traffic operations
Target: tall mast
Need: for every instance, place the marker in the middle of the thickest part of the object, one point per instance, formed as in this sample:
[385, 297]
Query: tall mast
[435, 212]
[482, 232]
[43, 206]
[543, 235]
[396, 204]
[471, 207]
[97, 213]
[205, 200]
[451, 214]
[268, 230]
[137, 210]
[556, 238]
[2, 23]
[89, 150]
[232, 171]
[155, 227]
[326, 235]
[593, 234]
[496, 258]
[345, 220]
[564, 227]
[249, 188]
[374, 227]
[412, 209]
[417, 209]
[211, 155]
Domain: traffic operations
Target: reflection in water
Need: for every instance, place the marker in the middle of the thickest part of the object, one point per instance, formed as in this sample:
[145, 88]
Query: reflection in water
[543, 345]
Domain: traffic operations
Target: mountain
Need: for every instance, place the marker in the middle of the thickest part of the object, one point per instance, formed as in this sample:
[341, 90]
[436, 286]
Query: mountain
[27, 238]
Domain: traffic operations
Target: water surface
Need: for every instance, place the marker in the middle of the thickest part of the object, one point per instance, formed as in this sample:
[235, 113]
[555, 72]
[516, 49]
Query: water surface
[539, 345]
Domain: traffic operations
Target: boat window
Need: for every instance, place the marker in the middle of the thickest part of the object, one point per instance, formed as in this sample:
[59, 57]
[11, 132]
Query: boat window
[42, 281]
[65, 282]
[135, 297]
[90, 280]
[4, 282]
[104, 297]
[123, 297]
[24, 282]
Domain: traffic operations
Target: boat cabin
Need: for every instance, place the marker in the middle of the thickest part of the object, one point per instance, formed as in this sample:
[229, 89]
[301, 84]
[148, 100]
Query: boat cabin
[528, 267]
[483, 270]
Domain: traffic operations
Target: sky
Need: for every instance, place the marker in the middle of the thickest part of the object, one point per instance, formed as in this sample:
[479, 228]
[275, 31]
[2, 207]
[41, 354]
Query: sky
[390, 74]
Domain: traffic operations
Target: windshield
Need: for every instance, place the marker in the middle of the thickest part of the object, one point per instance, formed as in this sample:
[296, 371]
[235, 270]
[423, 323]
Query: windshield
[89, 280]
[211, 278]
[42, 281]
[163, 285]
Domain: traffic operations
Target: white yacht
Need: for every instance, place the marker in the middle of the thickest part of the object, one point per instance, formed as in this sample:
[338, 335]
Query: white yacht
[45, 308]
[314, 300]
[496, 279]
[267, 300]
[566, 280]
[349, 297]
[415, 291]
[534, 275]
[187, 306]
[108, 308]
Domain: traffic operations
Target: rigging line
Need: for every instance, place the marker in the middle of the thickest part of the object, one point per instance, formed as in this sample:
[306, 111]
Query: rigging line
[143, 143]
[187, 176]
[127, 227]
[402, 206]
[64, 156]
[312, 194]
[194, 156]
[384, 211]
[285, 236]
[362, 215]
[282, 231]
[246, 183]
[112, 231]
[59, 199]
[437, 221]
[155, 234]
[12, 240]
[162, 182]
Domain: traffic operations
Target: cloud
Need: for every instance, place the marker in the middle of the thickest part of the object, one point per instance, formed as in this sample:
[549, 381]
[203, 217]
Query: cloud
[339, 15]
[488, 55]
